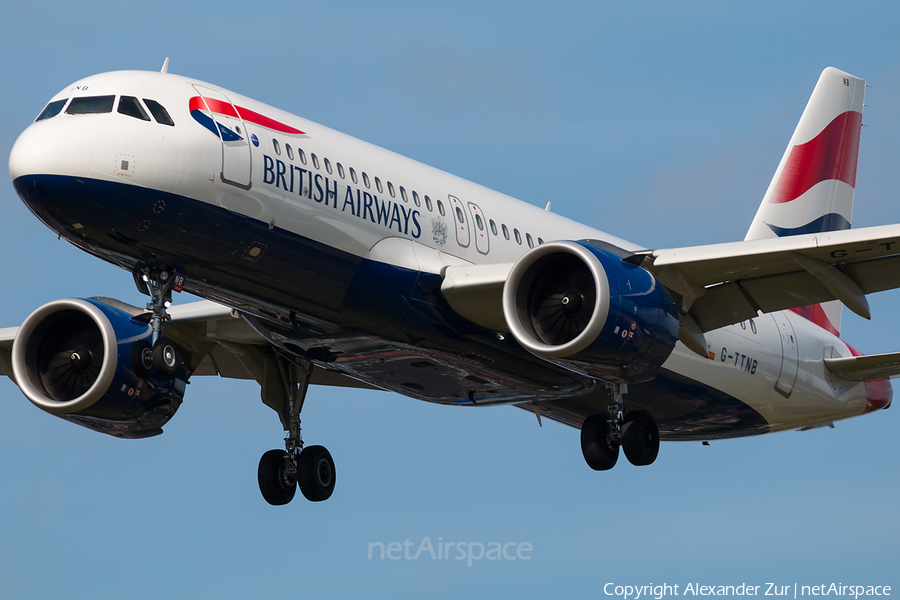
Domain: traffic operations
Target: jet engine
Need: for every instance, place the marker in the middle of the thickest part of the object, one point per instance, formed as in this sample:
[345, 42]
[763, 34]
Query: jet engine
[583, 306]
[87, 362]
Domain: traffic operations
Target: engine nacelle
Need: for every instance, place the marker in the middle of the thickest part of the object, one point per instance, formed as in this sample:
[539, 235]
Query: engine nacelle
[73, 358]
[583, 306]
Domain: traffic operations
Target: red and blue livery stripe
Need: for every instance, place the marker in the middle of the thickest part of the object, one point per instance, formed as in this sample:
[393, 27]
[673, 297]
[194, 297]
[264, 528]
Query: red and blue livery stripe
[199, 105]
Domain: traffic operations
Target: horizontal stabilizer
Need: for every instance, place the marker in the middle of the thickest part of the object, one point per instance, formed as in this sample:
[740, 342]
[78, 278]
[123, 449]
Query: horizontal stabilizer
[862, 368]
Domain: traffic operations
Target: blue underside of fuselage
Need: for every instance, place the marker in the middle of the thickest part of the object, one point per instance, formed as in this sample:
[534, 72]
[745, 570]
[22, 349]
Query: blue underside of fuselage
[382, 324]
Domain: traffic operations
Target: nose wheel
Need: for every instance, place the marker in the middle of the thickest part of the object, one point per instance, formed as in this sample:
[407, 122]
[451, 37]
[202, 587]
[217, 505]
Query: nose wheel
[161, 355]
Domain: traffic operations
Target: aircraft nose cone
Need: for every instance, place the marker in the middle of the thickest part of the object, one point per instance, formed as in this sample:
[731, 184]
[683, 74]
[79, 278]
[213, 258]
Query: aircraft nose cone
[50, 148]
[20, 155]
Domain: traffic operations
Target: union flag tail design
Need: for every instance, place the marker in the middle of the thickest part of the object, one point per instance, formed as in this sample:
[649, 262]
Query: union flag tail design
[812, 190]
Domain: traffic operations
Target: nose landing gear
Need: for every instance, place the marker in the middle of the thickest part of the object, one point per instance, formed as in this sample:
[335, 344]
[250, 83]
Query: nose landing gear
[602, 435]
[159, 354]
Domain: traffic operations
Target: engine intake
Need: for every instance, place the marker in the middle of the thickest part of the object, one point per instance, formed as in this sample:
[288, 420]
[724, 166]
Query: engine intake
[583, 306]
[73, 358]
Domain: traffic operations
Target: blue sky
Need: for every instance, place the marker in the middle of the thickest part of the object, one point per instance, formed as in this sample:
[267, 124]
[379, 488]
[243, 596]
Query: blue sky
[659, 122]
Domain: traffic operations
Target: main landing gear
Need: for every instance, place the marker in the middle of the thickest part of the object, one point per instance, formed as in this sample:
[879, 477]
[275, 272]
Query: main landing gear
[159, 354]
[635, 432]
[311, 468]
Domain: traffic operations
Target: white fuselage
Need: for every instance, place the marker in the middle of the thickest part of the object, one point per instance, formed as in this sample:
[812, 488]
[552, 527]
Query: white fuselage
[366, 202]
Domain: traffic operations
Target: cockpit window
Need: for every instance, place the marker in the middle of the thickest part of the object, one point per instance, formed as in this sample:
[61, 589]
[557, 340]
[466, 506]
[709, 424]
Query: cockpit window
[159, 113]
[129, 105]
[51, 110]
[88, 105]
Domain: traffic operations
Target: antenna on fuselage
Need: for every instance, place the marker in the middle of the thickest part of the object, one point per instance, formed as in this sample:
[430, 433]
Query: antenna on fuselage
[165, 68]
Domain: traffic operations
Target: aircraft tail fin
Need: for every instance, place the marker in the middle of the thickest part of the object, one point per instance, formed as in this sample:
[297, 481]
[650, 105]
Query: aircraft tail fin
[813, 186]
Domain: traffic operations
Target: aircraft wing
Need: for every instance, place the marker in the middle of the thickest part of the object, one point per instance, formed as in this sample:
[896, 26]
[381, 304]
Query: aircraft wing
[214, 340]
[723, 284]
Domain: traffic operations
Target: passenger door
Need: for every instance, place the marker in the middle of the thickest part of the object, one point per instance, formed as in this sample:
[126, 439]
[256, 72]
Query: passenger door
[236, 162]
[790, 354]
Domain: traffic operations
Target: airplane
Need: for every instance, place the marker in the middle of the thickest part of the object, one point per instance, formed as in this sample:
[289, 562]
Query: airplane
[323, 260]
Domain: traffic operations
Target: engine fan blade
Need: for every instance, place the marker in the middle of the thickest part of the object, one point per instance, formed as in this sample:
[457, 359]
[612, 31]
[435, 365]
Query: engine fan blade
[562, 300]
[70, 358]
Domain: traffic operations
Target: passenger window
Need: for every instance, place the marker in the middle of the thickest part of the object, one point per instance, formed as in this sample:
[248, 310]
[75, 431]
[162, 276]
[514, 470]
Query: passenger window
[540, 241]
[51, 110]
[327, 165]
[90, 105]
[159, 112]
[416, 200]
[493, 227]
[277, 146]
[403, 194]
[315, 160]
[378, 185]
[518, 236]
[529, 240]
[302, 155]
[391, 189]
[505, 231]
[365, 179]
[340, 170]
[441, 208]
[428, 202]
[479, 222]
[290, 151]
[129, 105]
[459, 215]
[353, 175]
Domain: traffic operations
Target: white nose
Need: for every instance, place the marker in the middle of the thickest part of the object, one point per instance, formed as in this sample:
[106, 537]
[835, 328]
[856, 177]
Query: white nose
[57, 146]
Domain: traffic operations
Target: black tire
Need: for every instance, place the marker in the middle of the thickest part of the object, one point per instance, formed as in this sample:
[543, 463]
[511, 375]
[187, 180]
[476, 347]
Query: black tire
[599, 454]
[316, 475]
[272, 484]
[640, 438]
[165, 357]
[142, 359]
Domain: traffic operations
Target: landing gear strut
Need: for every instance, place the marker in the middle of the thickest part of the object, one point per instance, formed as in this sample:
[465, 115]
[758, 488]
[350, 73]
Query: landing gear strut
[636, 432]
[160, 354]
[311, 468]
